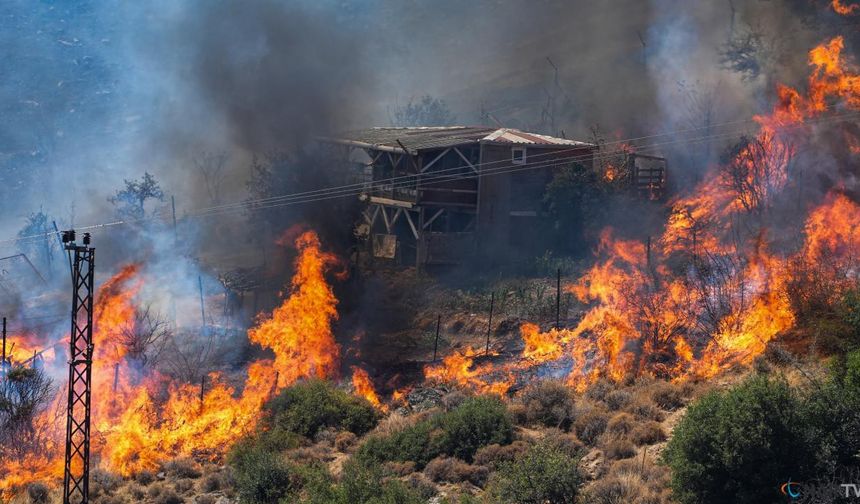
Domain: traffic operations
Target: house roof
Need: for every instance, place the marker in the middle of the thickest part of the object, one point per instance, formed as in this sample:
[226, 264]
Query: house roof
[436, 137]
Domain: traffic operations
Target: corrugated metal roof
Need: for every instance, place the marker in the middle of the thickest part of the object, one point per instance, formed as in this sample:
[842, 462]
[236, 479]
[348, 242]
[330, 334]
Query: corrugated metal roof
[423, 138]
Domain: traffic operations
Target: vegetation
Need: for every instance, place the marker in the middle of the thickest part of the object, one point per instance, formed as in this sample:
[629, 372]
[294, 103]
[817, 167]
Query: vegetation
[545, 474]
[308, 407]
[426, 111]
[24, 395]
[130, 202]
[477, 422]
[740, 441]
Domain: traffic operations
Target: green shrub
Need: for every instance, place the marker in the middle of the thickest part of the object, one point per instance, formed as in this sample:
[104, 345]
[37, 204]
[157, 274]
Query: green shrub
[734, 445]
[851, 309]
[261, 476]
[359, 484]
[409, 444]
[545, 474]
[477, 422]
[832, 421]
[308, 407]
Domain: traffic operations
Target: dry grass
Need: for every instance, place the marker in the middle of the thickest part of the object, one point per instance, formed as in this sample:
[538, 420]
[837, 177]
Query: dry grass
[617, 448]
[549, 403]
[344, 441]
[647, 433]
[617, 399]
[632, 481]
[452, 470]
[182, 468]
[643, 409]
[590, 425]
[492, 455]
[668, 396]
[621, 424]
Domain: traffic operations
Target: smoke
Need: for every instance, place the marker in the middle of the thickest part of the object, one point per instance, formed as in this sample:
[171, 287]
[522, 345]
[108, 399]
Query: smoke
[98, 92]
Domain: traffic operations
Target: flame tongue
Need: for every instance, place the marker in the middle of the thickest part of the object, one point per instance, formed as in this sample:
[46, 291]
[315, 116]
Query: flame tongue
[299, 331]
[135, 430]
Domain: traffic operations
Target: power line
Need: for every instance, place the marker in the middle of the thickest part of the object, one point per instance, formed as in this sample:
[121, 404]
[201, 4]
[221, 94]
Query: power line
[436, 177]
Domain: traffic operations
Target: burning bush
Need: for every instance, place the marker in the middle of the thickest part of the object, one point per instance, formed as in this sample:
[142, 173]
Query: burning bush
[546, 473]
[308, 407]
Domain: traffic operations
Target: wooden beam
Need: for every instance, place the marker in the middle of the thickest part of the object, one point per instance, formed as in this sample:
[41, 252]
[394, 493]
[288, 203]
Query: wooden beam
[411, 224]
[430, 221]
[437, 158]
[391, 202]
[385, 219]
[411, 157]
[396, 216]
[466, 160]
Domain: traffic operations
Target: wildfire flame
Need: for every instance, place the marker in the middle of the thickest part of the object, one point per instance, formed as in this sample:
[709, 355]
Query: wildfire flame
[134, 429]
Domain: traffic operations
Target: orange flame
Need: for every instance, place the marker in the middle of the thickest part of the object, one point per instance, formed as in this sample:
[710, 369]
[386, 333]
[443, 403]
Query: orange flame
[841, 8]
[363, 387]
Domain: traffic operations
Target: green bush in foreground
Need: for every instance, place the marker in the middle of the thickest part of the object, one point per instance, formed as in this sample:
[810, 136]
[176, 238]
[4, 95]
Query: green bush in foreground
[547, 473]
[738, 445]
[478, 422]
[308, 407]
[262, 477]
[359, 484]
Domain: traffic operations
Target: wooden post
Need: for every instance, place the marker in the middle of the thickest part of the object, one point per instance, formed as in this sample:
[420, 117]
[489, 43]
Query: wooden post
[436, 344]
[648, 253]
[558, 299]
[202, 307]
[202, 388]
[3, 362]
[490, 323]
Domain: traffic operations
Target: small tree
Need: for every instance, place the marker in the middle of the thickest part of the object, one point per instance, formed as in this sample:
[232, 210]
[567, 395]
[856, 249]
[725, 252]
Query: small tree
[39, 250]
[24, 394]
[145, 337]
[211, 167]
[426, 111]
[130, 202]
[573, 197]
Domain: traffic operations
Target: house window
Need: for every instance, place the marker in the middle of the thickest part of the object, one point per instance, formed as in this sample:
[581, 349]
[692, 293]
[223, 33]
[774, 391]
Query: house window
[518, 155]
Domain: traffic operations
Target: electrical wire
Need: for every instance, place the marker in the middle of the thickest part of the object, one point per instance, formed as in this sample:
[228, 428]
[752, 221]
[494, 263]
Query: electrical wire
[439, 176]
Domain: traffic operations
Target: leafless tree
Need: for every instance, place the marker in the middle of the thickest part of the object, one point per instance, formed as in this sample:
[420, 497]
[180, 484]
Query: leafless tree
[755, 169]
[145, 337]
[211, 166]
[190, 357]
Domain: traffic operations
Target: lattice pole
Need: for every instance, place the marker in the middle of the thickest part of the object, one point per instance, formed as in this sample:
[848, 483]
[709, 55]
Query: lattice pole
[76, 477]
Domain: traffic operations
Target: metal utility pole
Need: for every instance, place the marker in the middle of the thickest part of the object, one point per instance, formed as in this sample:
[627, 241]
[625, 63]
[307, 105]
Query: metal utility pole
[76, 474]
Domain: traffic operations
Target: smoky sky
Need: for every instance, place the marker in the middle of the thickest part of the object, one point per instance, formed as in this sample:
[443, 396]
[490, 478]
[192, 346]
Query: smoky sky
[275, 73]
[98, 91]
